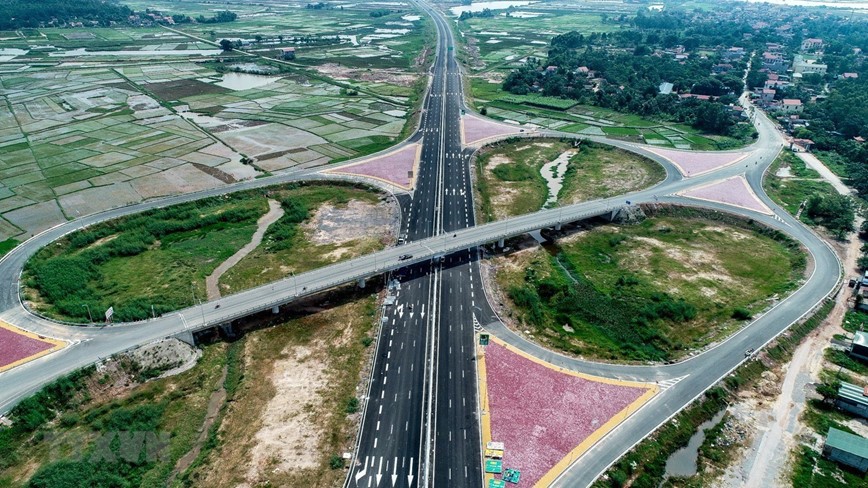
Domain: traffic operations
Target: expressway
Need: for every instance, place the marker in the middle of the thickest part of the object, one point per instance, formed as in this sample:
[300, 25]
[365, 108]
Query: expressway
[420, 426]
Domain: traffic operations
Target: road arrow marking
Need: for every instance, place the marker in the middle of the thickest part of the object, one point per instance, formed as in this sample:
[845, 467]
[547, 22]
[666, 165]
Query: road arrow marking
[361, 474]
[380, 472]
[410, 476]
[395, 472]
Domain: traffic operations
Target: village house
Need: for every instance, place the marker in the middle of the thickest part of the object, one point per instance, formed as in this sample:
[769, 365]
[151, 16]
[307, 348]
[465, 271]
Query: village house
[791, 105]
[812, 44]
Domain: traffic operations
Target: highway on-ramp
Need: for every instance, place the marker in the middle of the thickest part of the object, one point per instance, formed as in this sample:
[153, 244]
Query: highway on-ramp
[431, 437]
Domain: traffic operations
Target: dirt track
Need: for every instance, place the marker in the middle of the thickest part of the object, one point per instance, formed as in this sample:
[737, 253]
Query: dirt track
[212, 282]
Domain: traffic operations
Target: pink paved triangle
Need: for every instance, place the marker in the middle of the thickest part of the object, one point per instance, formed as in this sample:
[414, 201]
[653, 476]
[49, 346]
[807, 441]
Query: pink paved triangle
[397, 167]
[731, 191]
[692, 163]
[542, 414]
[475, 129]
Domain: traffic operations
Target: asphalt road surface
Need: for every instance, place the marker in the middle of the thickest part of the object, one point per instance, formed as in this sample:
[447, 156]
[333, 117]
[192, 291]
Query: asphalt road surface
[420, 423]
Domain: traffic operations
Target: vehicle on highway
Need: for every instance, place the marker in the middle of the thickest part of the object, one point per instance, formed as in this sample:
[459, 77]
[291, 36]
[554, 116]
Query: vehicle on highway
[405, 257]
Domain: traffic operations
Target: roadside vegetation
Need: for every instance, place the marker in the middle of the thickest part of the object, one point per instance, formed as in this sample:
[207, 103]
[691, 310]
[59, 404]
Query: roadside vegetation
[155, 262]
[801, 191]
[653, 291]
[204, 426]
[820, 414]
[645, 465]
[510, 180]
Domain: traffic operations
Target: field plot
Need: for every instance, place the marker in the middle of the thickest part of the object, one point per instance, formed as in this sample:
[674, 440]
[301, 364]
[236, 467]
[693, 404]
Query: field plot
[81, 141]
[17, 346]
[157, 262]
[653, 291]
[523, 176]
[545, 417]
[91, 121]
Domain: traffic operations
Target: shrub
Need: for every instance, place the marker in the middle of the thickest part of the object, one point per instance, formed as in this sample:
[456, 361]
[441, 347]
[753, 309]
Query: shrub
[741, 313]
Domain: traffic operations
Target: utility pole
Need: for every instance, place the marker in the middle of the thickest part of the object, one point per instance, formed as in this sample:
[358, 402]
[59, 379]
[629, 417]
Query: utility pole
[88, 312]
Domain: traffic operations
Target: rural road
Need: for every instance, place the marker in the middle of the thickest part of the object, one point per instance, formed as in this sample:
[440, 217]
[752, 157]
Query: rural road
[441, 224]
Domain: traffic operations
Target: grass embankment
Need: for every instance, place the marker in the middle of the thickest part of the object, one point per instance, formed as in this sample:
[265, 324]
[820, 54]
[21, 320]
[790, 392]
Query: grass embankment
[509, 180]
[68, 417]
[645, 465]
[55, 439]
[653, 291]
[160, 258]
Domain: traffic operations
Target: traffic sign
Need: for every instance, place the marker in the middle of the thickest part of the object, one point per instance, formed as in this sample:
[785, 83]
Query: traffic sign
[493, 466]
[483, 339]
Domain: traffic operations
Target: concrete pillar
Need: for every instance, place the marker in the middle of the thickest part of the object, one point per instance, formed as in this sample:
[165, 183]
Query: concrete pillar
[187, 337]
[558, 226]
[361, 282]
[275, 309]
[500, 243]
[227, 330]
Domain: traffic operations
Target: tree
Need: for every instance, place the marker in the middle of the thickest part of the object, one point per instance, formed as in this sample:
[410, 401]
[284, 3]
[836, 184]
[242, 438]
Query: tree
[226, 44]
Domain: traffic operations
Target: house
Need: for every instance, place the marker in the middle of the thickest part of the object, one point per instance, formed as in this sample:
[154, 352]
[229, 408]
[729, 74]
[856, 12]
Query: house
[698, 97]
[774, 62]
[845, 76]
[733, 53]
[791, 105]
[847, 449]
[665, 88]
[721, 68]
[582, 70]
[551, 69]
[853, 399]
[859, 346]
[767, 95]
[802, 145]
[288, 53]
[812, 44]
[807, 66]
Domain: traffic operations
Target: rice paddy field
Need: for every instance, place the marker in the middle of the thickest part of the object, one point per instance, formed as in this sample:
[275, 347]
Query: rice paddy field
[95, 118]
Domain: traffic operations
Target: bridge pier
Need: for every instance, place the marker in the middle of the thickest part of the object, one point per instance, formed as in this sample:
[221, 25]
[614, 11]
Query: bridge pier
[558, 226]
[227, 330]
[275, 309]
[500, 243]
[361, 282]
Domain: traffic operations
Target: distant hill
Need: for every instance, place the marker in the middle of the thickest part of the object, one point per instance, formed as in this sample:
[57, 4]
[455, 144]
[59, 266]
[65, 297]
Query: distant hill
[15, 14]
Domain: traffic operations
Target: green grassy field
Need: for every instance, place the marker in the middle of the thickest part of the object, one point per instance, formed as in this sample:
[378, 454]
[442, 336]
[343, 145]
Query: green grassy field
[653, 291]
[509, 180]
[157, 262]
[792, 191]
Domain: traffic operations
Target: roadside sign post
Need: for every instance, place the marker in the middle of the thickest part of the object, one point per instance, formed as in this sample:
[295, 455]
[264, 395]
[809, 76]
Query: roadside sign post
[109, 314]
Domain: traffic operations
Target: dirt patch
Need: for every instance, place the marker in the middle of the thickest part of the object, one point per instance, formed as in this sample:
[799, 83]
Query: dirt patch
[286, 441]
[334, 224]
[176, 90]
[216, 173]
[121, 373]
[390, 76]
